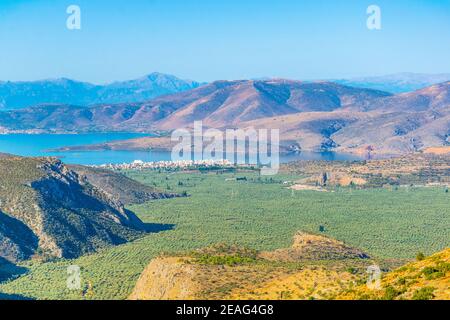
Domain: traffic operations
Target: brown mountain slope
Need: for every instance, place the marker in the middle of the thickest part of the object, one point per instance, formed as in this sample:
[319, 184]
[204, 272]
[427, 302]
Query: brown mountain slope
[438, 150]
[344, 131]
[221, 103]
[249, 100]
[395, 133]
[309, 130]
[56, 117]
[311, 116]
[436, 97]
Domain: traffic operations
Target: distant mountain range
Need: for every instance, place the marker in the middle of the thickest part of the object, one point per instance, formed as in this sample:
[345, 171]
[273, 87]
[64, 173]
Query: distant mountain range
[17, 95]
[397, 83]
[310, 115]
[219, 104]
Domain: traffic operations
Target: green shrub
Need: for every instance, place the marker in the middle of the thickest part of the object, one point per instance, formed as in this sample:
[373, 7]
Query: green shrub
[426, 293]
[437, 271]
[351, 270]
[401, 281]
[391, 293]
[420, 256]
[224, 260]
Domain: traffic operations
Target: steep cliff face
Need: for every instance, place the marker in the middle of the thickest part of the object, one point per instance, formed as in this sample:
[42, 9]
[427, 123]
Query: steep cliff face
[47, 208]
[167, 278]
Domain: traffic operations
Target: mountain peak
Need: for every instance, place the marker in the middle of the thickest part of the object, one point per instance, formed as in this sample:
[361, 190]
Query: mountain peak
[155, 75]
[159, 77]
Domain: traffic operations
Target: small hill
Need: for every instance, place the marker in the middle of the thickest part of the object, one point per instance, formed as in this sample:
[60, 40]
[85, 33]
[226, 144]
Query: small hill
[49, 210]
[68, 118]
[230, 272]
[16, 95]
[314, 247]
[422, 280]
[316, 283]
[120, 187]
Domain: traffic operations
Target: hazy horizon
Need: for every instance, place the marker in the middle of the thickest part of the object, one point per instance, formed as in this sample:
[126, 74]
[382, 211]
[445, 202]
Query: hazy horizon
[206, 41]
[55, 78]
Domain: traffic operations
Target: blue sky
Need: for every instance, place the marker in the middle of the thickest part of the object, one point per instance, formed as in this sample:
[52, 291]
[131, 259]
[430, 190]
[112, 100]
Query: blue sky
[208, 40]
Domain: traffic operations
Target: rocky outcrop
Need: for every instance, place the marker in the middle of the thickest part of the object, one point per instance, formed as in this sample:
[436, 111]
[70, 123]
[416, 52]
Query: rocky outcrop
[314, 247]
[167, 278]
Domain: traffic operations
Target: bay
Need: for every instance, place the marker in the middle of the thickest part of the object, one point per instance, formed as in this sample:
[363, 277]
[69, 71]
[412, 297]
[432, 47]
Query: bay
[37, 145]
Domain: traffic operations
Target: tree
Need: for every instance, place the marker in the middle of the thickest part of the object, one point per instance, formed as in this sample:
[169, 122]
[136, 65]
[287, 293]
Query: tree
[420, 256]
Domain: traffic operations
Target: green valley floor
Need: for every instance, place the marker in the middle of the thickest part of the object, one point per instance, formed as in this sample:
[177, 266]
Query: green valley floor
[256, 212]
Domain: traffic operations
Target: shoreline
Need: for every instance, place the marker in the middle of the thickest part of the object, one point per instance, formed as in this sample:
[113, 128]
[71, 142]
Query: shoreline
[155, 142]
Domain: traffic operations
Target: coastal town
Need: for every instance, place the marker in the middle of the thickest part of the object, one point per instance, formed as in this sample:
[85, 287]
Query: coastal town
[168, 165]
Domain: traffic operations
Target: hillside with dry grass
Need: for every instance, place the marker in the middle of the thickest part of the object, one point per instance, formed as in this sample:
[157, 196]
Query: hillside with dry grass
[306, 271]
[315, 267]
[426, 279]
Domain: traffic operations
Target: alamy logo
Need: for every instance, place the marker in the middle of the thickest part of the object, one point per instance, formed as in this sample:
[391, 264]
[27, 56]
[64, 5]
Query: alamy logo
[374, 281]
[74, 20]
[74, 278]
[238, 146]
[374, 19]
